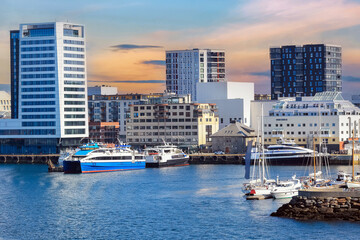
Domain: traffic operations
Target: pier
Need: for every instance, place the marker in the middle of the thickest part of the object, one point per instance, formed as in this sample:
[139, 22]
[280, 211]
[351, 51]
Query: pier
[30, 158]
[211, 158]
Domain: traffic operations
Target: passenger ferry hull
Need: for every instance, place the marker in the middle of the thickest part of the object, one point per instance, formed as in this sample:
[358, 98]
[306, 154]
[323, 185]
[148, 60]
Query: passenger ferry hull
[103, 166]
[169, 163]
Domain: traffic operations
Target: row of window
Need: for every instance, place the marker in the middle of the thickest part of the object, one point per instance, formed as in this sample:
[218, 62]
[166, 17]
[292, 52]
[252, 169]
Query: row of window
[75, 42]
[39, 124]
[74, 89]
[301, 125]
[35, 49]
[74, 82]
[28, 132]
[38, 116]
[38, 110]
[38, 103]
[36, 42]
[45, 89]
[162, 127]
[74, 95]
[74, 115]
[77, 49]
[79, 123]
[25, 83]
[74, 69]
[74, 109]
[162, 133]
[27, 76]
[74, 75]
[154, 107]
[70, 55]
[38, 55]
[38, 69]
[74, 62]
[74, 131]
[74, 102]
[38, 96]
[38, 62]
[174, 140]
[163, 120]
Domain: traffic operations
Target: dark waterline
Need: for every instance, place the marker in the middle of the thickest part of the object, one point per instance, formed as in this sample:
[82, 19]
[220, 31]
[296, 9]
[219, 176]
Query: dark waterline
[194, 202]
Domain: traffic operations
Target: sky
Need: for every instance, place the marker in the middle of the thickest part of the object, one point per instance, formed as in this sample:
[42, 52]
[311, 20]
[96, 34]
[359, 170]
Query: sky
[127, 39]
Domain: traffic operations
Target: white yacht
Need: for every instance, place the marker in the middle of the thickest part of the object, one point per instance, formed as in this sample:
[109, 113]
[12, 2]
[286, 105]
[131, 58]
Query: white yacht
[287, 153]
[165, 156]
[287, 189]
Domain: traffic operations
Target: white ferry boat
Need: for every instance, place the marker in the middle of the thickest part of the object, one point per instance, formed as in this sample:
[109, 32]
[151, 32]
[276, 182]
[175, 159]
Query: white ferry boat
[285, 153]
[165, 156]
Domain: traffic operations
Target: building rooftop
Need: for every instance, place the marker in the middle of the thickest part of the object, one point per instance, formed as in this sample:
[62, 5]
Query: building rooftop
[235, 130]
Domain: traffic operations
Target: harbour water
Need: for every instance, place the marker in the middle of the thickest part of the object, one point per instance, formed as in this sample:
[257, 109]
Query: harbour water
[193, 202]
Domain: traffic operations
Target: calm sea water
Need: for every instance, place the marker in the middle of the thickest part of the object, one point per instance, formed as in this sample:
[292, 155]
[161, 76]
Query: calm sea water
[194, 202]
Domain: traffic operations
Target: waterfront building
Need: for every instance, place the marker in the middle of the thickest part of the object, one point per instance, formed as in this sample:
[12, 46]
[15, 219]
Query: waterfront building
[233, 138]
[232, 99]
[326, 116]
[48, 89]
[305, 70]
[175, 120]
[105, 132]
[102, 90]
[185, 68]
[113, 108]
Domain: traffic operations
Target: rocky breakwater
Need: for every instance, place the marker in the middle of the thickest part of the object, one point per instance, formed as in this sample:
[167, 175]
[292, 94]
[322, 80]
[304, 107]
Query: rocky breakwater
[321, 208]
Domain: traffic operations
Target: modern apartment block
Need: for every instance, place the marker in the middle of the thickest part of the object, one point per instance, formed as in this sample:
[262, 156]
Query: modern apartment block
[185, 68]
[48, 88]
[305, 70]
[176, 120]
[325, 116]
[113, 108]
[102, 90]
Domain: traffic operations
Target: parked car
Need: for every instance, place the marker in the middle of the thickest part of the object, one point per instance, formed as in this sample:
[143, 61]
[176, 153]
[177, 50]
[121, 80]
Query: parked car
[219, 152]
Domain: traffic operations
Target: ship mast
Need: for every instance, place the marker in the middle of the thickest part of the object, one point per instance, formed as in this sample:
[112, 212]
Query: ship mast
[262, 143]
[353, 153]
[314, 160]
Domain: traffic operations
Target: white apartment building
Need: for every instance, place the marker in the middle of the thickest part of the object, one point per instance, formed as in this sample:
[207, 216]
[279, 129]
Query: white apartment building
[185, 68]
[233, 100]
[177, 121]
[326, 116]
[49, 85]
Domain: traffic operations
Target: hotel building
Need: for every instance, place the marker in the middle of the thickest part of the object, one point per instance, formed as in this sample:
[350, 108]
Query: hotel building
[305, 70]
[326, 116]
[48, 88]
[185, 68]
[175, 120]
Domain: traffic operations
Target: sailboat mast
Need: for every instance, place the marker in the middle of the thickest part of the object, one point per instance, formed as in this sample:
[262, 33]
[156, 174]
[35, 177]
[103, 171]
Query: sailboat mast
[314, 160]
[353, 153]
[262, 143]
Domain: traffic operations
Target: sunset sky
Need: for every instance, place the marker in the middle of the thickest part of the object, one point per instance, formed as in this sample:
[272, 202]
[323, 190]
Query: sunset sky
[127, 39]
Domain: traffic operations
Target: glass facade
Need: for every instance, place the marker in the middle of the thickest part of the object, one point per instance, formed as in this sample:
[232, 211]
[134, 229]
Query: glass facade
[14, 64]
[305, 70]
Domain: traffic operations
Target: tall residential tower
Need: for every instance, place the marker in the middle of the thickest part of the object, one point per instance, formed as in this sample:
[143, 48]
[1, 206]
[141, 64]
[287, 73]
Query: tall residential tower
[48, 86]
[185, 68]
[305, 70]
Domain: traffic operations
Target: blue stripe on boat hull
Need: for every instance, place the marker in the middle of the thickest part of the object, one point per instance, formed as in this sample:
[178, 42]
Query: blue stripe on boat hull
[88, 167]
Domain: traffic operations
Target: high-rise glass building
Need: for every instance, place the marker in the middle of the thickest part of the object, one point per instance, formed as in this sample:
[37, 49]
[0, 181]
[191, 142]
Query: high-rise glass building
[48, 86]
[305, 70]
[185, 68]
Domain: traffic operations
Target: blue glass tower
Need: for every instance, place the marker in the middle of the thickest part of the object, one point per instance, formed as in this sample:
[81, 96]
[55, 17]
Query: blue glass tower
[305, 70]
[14, 64]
